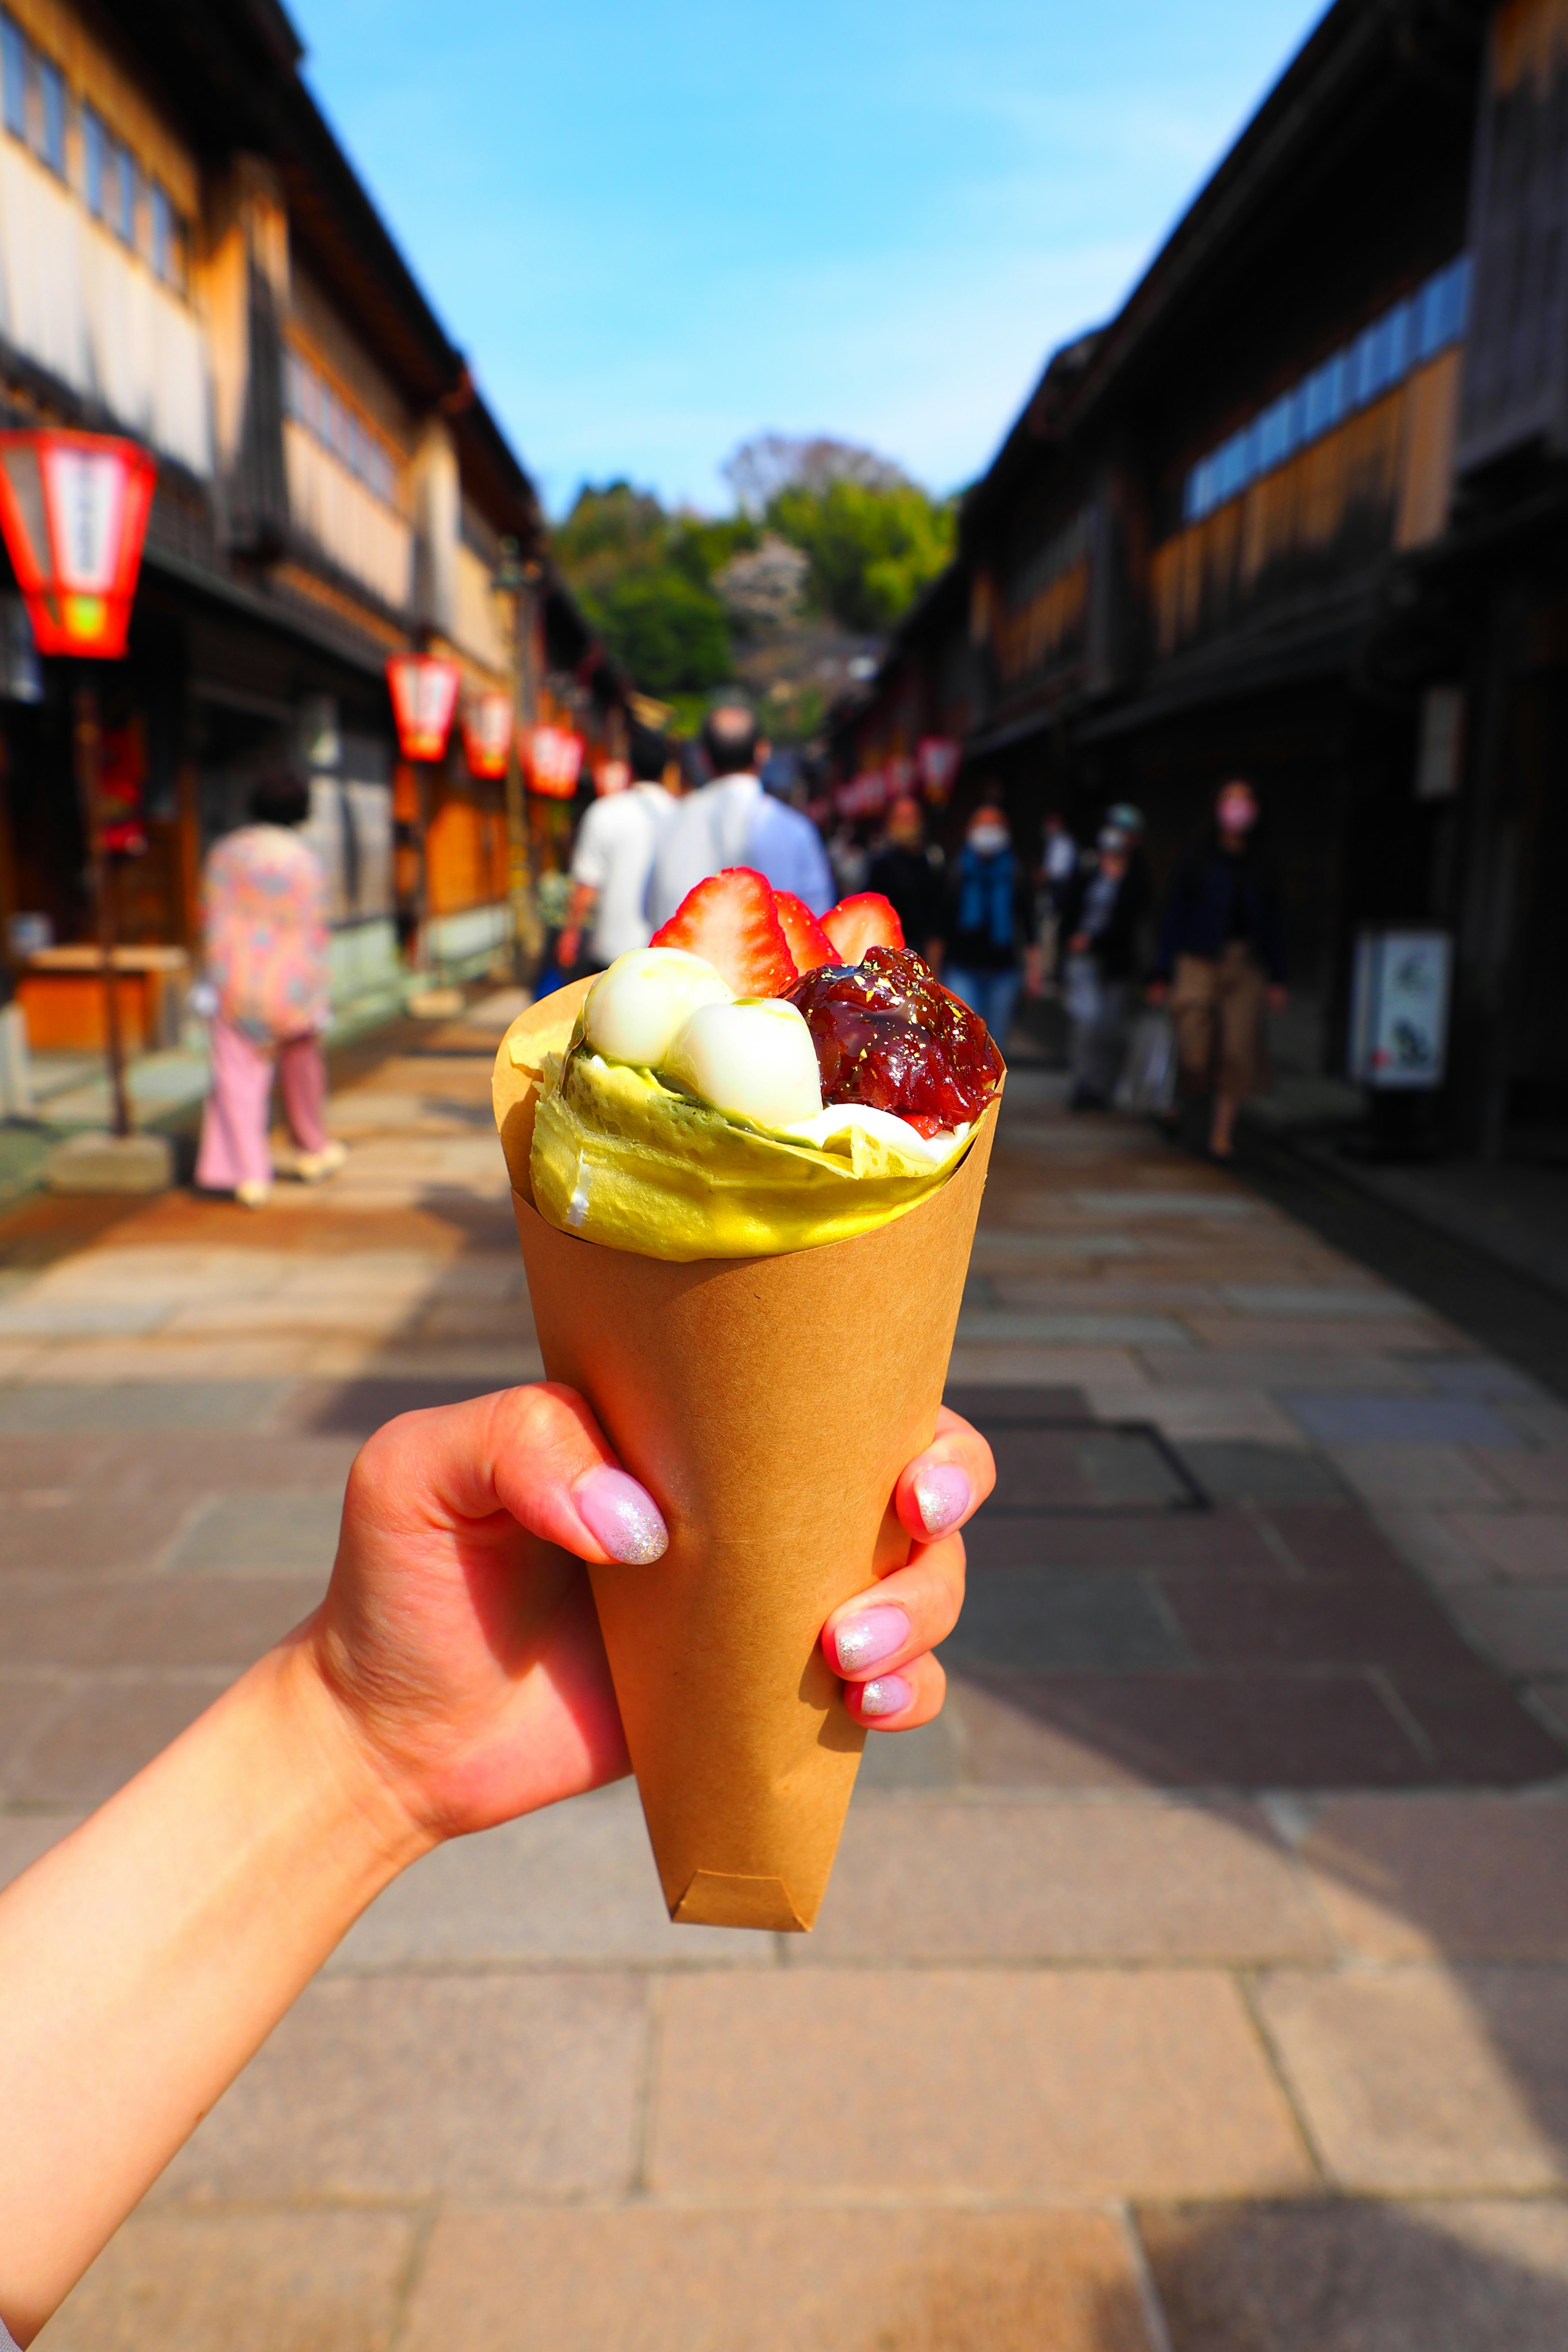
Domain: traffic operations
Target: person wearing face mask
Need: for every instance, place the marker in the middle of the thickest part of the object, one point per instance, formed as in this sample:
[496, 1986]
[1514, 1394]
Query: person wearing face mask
[1100, 914]
[990, 925]
[1221, 960]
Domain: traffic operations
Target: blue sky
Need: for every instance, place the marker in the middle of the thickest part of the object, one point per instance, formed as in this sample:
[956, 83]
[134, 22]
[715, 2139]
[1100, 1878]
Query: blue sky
[658, 230]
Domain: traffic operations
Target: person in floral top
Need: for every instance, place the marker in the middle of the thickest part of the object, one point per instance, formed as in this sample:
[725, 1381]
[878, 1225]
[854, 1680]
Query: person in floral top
[265, 919]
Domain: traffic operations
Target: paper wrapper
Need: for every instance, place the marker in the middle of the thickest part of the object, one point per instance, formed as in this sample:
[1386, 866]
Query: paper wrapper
[769, 1405]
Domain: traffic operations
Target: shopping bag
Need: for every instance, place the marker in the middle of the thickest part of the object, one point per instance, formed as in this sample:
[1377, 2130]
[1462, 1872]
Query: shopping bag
[1148, 1081]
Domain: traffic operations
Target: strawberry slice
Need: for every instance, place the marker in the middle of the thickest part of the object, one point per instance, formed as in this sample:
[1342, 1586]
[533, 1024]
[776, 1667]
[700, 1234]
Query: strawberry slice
[729, 921]
[865, 920]
[809, 942]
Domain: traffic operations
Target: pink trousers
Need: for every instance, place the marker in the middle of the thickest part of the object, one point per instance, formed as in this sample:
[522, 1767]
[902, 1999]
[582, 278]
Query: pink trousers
[235, 1123]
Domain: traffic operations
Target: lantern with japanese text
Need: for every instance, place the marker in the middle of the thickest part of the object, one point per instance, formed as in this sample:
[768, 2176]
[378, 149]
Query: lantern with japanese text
[554, 758]
[423, 690]
[486, 733]
[73, 508]
[937, 758]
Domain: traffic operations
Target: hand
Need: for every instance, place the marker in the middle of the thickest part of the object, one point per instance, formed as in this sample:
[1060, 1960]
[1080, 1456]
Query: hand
[882, 1639]
[1157, 992]
[1278, 999]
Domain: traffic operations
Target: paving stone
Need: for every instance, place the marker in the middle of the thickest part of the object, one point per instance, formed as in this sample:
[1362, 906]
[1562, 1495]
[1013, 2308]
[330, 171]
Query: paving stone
[36, 1314]
[413, 2087]
[1244, 1368]
[1345, 1336]
[101, 1733]
[1404, 1475]
[196, 1405]
[816, 2082]
[1070, 1331]
[1153, 1202]
[1524, 1627]
[987, 1407]
[241, 2282]
[1479, 1375]
[1425, 2079]
[1428, 1538]
[647, 2280]
[1550, 1700]
[1475, 1729]
[1540, 1421]
[231, 1533]
[1265, 1474]
[1319, 1300]
[1348, 1620]
[1077, 1881]
[1377, 1420]
[1049, 1468]
[895, 1762]
[1198, 1411]
[1045, 1622]
[1165, 1540]
[1358, 2277]
[1475, 1877]
[1182, 1730]
[174, 1622]
[1337, 1541]
[1528, 1478]
[27, 1705]
[356, 1407]
[574, 1884]
[1529, 1545]
[54, 1620]
[50, 1528]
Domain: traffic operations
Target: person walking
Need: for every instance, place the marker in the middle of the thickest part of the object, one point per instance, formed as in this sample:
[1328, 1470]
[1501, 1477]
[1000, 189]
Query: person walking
[906, 877]
[734, 822]
[1101, 913]
[990, 925]
[614, 858]
[1221, 961]
[265, 920]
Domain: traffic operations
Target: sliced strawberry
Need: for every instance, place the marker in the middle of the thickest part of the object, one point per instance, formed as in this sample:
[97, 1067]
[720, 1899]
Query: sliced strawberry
[809, 942]
[729, 920]
[865, 920]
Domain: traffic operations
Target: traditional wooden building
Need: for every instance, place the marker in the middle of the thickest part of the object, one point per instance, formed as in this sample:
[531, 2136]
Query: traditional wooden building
[1298, 511]
[187, 256]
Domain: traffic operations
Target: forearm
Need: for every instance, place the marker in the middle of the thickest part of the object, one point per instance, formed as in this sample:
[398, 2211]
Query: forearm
[147, 1957]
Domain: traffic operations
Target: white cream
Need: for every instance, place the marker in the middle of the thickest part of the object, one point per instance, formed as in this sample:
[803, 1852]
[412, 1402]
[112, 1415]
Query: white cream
[636, 1009]
[837, 1123]
[754, 1059]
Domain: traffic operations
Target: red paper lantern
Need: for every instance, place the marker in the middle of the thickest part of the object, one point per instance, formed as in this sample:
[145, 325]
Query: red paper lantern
[486, 733]
[937, 757]
[73, 508]
[423, 696]
[555, 756]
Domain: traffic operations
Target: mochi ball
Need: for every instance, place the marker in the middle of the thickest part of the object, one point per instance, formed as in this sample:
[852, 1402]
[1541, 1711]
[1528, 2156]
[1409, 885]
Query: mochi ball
[754, 1059]
[636, 1009]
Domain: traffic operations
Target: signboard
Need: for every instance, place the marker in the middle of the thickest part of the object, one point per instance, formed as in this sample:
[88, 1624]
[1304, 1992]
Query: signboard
[1399, 1008]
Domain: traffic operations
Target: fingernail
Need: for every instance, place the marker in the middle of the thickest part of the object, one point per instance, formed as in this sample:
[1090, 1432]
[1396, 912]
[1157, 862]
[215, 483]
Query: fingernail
[943, 1493]
[622, 1515]
[887, 1696]
[874, 1634]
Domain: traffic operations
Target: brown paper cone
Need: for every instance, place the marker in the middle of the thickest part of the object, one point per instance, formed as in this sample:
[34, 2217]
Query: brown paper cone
[769, 1405]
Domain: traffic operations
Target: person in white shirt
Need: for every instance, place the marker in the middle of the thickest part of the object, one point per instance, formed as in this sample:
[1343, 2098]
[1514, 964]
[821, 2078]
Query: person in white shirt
[613, 860]
[734, 822]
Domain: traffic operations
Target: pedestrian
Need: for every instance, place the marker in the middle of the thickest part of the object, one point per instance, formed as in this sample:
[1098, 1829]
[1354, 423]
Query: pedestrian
[989, 929]
[1221, 960]
[906, 877]
[1099, 918]
[264, 896]
[1059, 858]
[452, 1678]
[734, 822]
[614, 858]
[849, 860]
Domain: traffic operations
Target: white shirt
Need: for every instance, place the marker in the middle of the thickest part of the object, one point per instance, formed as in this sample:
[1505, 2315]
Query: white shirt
[735, 823]
[614, 852]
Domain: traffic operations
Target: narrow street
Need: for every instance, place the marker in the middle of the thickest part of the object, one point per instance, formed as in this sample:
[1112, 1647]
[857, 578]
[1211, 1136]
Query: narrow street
[1208, 1957]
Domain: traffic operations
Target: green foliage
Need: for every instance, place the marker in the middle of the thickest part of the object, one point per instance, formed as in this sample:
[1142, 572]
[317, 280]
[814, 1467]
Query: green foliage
[872, 549]
[642, 579]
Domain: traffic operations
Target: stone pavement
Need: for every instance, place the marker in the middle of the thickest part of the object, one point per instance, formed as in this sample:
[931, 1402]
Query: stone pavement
[1199, 1983]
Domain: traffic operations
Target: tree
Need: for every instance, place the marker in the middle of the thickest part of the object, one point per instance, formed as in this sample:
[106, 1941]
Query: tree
[760, 468]
[871, 550]
[642, 578]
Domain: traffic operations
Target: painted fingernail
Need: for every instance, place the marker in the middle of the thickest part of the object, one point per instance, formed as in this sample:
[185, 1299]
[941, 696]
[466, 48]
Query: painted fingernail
[622, 1515]
[943, 1493]
[888, 1696]
[874, 1634]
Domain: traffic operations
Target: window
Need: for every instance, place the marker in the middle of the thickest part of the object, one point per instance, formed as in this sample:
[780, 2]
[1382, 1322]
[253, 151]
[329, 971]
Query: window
[95, 162]
[127, 195]
[1381, 355]
[14, 75]
[169, 236]
[312, 402]
[52, 115]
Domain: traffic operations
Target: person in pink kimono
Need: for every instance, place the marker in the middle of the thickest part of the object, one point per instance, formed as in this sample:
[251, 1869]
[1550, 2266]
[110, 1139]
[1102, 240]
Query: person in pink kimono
[265, 917]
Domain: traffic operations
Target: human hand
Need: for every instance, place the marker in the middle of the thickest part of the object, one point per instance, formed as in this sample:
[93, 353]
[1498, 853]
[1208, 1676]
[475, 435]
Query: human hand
[1157, 992]
[881, 1641]
[1278, 999]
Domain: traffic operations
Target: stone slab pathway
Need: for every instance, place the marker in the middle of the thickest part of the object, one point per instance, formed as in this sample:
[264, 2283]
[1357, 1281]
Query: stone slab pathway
[1198, 1984]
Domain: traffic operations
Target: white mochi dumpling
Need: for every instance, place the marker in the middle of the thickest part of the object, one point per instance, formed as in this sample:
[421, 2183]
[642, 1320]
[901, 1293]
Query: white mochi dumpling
[754, 1059]
[636, 1009]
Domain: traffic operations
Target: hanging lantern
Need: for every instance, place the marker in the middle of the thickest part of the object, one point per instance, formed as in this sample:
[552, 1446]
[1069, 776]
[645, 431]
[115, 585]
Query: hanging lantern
[555, 756]
[937, 757]
[486, 733]
[73, 508]
[423, 697]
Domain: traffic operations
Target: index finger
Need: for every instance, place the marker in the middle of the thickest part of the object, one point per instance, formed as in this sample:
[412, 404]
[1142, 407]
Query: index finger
[946, 1485]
